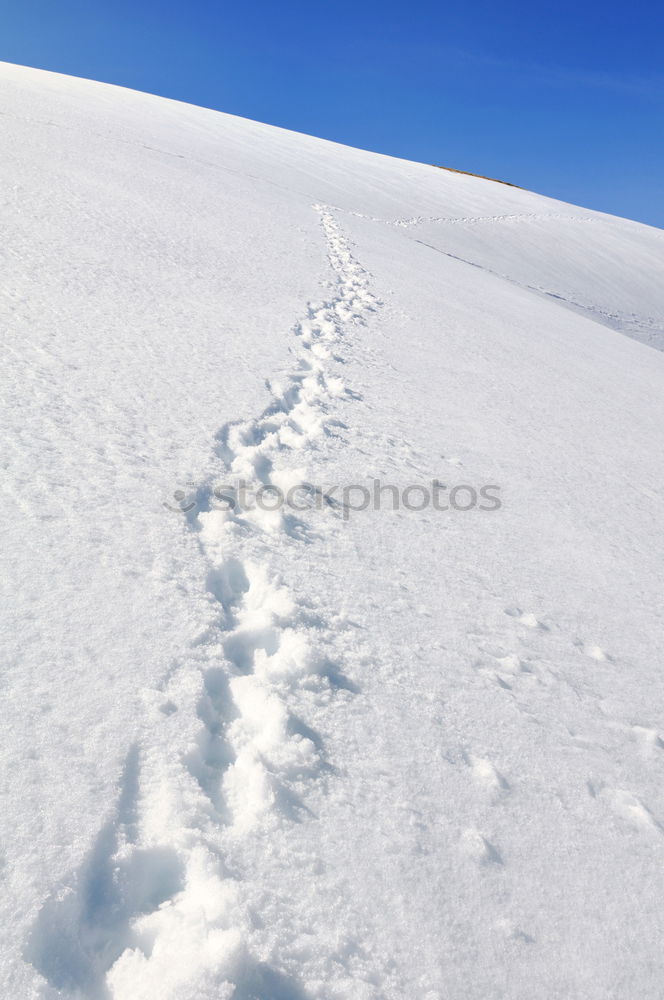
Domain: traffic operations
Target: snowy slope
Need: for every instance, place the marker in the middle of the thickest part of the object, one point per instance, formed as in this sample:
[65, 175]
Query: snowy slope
[321, 753]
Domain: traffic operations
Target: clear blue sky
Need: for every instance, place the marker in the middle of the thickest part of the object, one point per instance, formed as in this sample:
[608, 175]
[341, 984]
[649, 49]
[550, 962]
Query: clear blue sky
[564, 98]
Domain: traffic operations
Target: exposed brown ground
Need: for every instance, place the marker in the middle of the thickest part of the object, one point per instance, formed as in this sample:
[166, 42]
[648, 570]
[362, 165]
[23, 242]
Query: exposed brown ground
[469, 173]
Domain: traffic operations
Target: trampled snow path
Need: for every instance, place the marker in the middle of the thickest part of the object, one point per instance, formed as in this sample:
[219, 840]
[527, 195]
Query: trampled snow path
[154, 913]
[418, 220]
[642, 326]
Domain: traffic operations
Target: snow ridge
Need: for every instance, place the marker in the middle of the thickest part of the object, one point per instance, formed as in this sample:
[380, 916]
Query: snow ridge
[154, 912]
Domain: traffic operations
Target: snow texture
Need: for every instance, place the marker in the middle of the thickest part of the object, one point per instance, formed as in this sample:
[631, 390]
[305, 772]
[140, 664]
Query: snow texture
[332, 750]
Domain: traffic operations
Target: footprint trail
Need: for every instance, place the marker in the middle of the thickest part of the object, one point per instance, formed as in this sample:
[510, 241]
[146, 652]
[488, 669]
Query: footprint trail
[154, 912]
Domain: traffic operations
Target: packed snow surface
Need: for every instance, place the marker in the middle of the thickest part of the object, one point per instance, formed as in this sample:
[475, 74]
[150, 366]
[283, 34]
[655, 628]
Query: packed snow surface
[367, 743]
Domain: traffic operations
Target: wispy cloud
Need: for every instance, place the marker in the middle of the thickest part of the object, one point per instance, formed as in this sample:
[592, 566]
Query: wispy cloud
[645, 87]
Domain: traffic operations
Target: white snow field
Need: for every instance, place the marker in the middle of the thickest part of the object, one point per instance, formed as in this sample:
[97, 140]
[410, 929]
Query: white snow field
[326, 753]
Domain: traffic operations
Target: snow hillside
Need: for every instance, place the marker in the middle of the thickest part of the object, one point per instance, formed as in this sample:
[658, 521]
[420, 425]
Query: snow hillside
[335, 748]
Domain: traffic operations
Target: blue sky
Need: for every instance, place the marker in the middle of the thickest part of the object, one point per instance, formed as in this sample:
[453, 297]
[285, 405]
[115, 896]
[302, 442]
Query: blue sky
[564, 98]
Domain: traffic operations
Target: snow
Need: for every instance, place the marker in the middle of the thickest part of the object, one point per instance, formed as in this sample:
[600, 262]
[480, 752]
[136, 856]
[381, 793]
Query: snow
[323, 751]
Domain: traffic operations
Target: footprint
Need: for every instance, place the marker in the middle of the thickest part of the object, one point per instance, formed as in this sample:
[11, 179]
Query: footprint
[228, 582]
[85, 924]
[648, 738]
[477, 847]
[512, 664]
[628, 805]
[526, 618]
[212, 755]
[488, 777]
[513, 932]
[593, 651]
[506, 667]
[241, 646]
